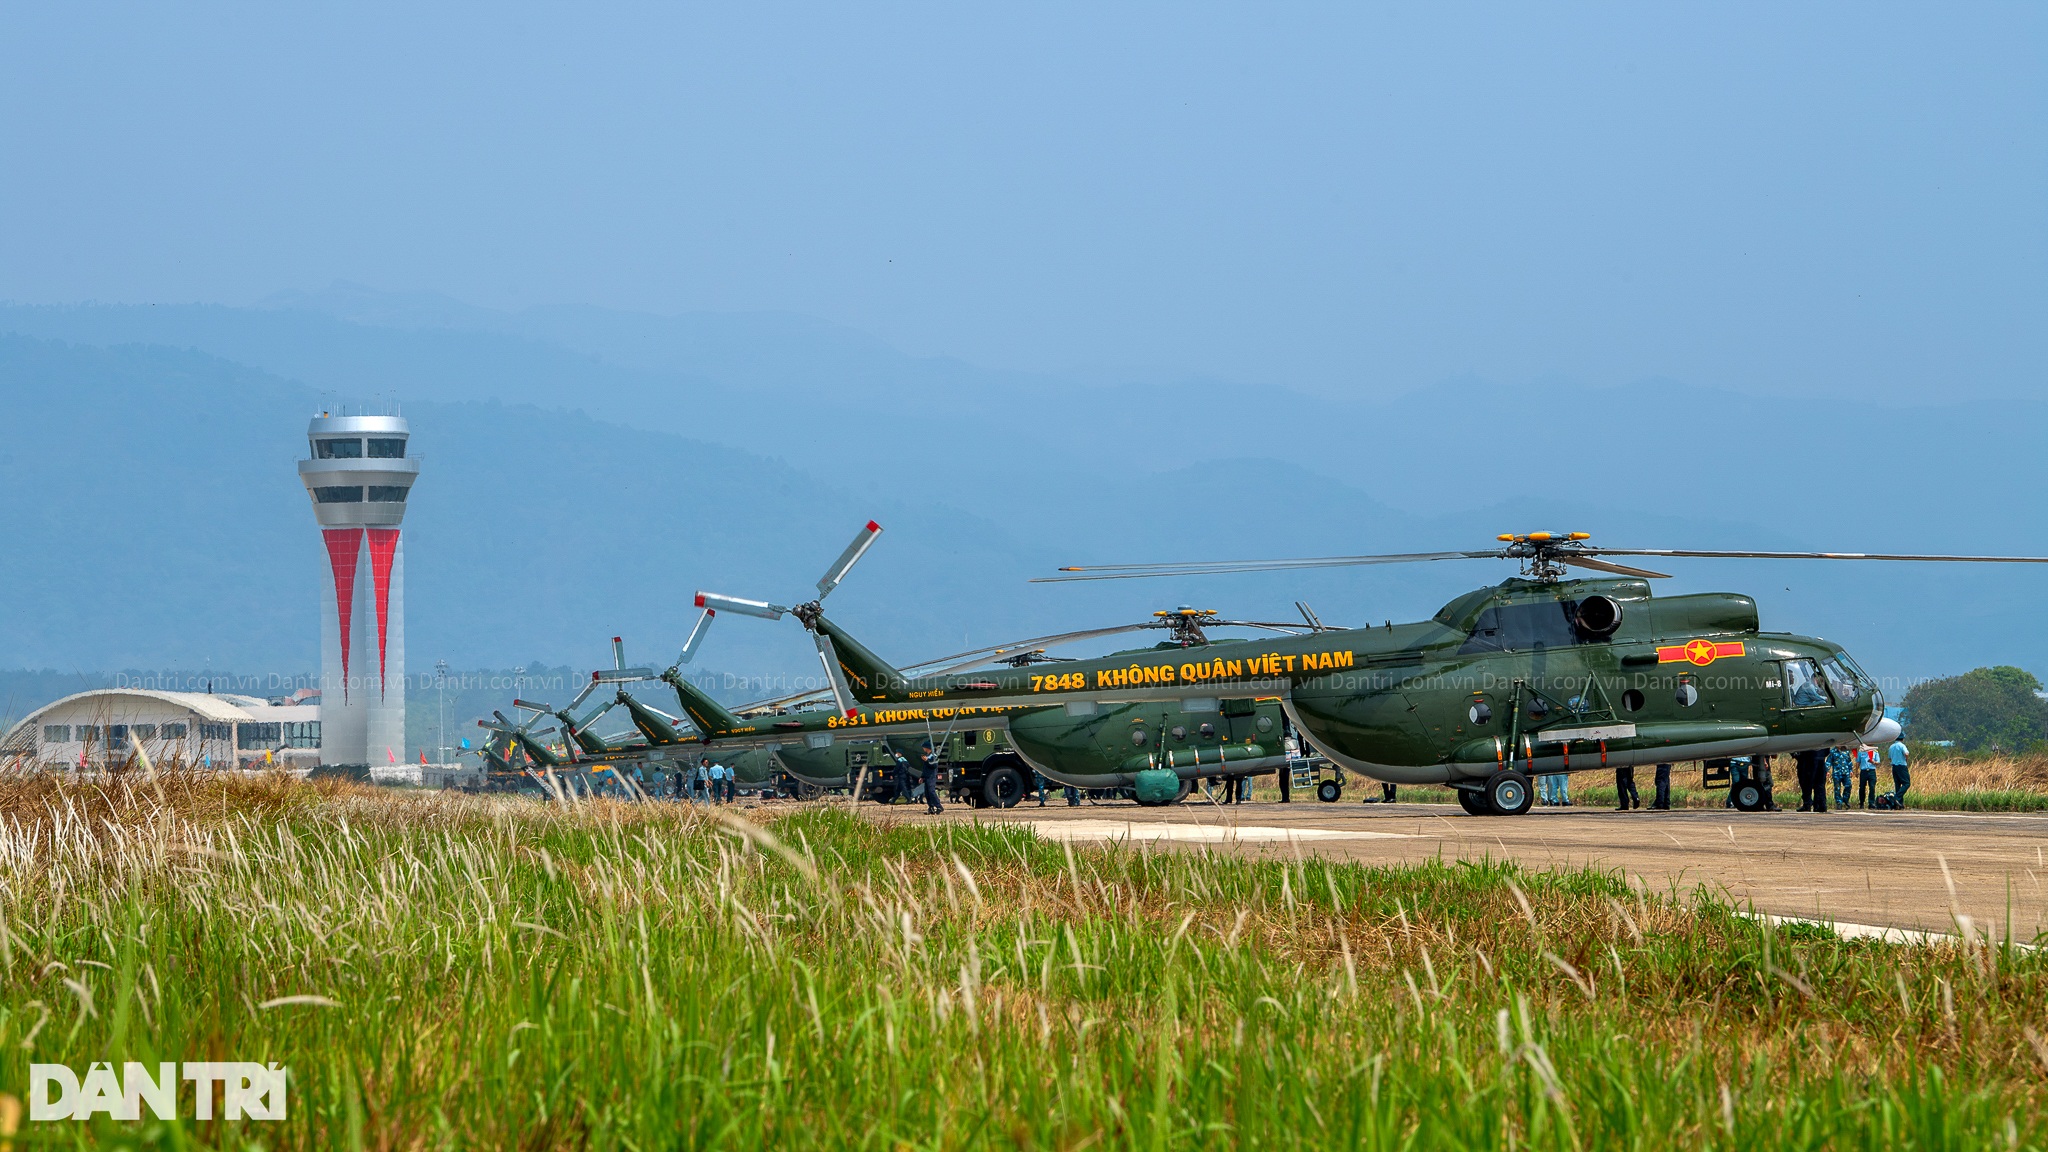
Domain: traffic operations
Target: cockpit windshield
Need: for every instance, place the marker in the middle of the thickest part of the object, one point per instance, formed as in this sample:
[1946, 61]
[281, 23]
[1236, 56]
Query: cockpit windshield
[1842, 678]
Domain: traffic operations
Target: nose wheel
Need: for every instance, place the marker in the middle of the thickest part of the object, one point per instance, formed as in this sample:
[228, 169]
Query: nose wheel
[1749, 796]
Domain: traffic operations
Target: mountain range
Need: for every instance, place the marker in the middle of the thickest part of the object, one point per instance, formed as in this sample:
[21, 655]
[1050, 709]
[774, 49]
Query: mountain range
[584, 471]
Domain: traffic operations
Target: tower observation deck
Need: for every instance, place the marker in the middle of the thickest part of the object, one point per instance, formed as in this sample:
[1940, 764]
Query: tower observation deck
[358, 475]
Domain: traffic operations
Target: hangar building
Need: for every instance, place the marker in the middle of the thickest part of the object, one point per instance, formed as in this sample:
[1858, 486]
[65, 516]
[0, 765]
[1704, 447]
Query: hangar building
[104, 728]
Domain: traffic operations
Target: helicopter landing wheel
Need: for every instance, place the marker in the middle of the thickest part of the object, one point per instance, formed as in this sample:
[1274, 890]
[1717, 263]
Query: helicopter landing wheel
[1508, 793]
[1748, 796]
[1329, 791]
[1003, 787]
[1473, 801]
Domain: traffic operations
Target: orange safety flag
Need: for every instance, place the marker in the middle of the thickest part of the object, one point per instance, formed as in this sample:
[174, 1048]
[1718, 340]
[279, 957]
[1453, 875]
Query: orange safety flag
[1699, 652]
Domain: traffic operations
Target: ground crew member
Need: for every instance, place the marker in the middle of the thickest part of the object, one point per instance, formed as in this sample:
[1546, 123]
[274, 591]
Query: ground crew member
[1902, 772]
[675, 782]
[1073, 796]
[1625, 786]
[1761, 766]
[1662, 800]
[1841, 765]
[1387, 790]
[1038, 782]
[906, 787]
[1866, 776]
[931, 784]
[1813, 780]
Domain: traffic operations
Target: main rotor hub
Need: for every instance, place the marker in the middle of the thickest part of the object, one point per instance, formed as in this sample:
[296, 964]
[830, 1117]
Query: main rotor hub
[809, 612]
[1185, 624]
[1542, 553]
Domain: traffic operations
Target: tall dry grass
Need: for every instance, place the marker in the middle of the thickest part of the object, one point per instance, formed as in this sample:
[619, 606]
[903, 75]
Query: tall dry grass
[492, 972]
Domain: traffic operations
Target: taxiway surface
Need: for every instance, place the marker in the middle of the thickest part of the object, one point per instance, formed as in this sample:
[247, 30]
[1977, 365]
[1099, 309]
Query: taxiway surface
[1912, 869]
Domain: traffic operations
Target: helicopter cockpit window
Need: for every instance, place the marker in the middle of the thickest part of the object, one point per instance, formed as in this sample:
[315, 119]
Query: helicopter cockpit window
[1522, 627]
[1841, 681]
[1802, 684]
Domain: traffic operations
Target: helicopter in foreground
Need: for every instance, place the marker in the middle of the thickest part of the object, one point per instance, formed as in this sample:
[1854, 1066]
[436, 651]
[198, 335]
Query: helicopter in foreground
[1539, 674]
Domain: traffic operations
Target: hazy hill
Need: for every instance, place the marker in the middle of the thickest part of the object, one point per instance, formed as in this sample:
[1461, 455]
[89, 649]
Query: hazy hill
[586, 470]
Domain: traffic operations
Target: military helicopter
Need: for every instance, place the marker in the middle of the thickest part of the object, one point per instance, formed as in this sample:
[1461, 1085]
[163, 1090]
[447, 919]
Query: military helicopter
[1540, 674]
[990, 751]
[663, 744]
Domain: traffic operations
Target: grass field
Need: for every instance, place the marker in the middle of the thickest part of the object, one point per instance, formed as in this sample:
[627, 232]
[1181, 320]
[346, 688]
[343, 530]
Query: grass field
[497, 973]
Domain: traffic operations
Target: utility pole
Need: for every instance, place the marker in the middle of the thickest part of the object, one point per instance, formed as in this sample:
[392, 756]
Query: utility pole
[441, 734]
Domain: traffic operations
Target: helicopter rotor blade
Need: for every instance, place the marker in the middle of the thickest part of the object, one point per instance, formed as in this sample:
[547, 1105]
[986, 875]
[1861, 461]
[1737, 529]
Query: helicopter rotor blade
[1217, 567]
[1315, 623]
[1907, 556]
[696, 636]
[588, 688]
[828, 655]
[777, 702]
[1616, 569]
[1289, 629]
[975, 656]
[530, 706]
[760, 608]
[847, 559]
[576, 725]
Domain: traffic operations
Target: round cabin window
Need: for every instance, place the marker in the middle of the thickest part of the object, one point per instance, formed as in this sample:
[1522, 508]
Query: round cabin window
[1481, 713]
[1138, 736]
[1688, 694]
[1632, 700]
[1180, 732]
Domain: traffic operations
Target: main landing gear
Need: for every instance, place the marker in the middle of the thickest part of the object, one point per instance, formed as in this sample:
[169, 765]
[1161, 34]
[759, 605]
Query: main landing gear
[1504, 793]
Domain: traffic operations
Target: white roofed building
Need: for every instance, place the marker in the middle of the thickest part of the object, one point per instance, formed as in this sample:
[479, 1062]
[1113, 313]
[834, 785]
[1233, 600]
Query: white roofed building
[104, 728]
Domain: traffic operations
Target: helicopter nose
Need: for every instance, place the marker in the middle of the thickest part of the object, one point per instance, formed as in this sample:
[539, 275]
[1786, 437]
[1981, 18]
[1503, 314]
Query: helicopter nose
[1884, 731]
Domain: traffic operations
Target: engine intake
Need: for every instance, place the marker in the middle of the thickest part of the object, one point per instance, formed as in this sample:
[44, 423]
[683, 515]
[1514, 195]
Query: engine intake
[1597, 617]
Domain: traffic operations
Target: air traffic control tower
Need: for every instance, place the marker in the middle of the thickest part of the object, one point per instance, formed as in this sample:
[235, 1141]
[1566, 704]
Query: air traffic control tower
[359, 476]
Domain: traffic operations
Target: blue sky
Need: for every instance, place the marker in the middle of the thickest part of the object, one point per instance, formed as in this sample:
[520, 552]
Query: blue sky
[1828, 199]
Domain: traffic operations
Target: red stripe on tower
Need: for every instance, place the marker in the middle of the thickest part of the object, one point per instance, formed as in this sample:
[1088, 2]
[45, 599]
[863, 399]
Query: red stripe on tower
[383, 546]
[344, 552]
